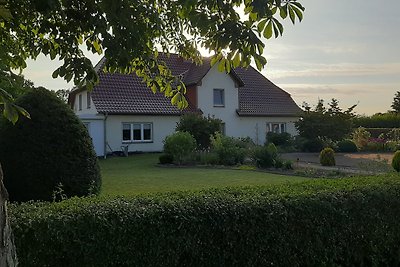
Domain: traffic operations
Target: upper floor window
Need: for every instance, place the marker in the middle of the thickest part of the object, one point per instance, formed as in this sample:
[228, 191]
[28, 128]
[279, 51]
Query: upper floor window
[137, 132]
[219, 97]
[88, 99]
[276, 127]
[80, 102]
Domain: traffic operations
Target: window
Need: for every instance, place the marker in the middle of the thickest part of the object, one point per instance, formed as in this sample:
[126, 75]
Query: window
[276, 127]
[137, 132]
[219, 98]
[80, 102]
[88, 100]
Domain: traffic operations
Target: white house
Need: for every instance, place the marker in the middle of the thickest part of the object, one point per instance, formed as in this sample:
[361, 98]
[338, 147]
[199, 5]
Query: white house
[122, 111]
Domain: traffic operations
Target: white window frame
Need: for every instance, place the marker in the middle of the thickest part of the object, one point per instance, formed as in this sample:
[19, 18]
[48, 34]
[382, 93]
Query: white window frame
[223, 97]
[280, 126]
[142, 124]
[88, 100]
[80, 102]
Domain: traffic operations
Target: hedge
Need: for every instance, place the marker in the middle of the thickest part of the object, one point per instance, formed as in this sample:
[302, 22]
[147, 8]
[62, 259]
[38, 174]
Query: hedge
[347, 222]
[375, 132]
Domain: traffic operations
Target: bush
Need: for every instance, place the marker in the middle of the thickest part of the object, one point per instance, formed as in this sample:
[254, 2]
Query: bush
[279, 139]
[230, 150]
[52, 149]
[347, 146]
[180, 145]
[360, 137]
[166, 159]
[396, 161]
[327, 222]
[201, 128]
[327, 157]
[385, 120]
[207, 158]
[313, 145]
[263, 157]
[288, 165]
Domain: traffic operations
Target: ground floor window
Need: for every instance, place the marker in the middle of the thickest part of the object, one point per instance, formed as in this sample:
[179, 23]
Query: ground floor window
[276, 127]
[137, 132]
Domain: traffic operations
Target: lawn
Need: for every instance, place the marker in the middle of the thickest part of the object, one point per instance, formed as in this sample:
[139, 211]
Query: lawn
[140, 174]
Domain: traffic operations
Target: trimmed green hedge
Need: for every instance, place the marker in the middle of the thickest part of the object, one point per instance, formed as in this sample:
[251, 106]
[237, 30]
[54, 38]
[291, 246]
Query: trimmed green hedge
[348, 222]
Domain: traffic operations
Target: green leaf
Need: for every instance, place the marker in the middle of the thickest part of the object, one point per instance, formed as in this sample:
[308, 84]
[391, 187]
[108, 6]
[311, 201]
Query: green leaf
[236, 60]
[10, 112]
[268, 30]
[261, 25]
[298, 13]
[55, 73]
[221, 65]
[292, 15]
[283, 12]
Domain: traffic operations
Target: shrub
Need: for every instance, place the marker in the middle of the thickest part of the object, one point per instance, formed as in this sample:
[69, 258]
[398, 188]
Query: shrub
[166, 159]
[324, 222]
[327, 157]
[207, 158]
[360, 137]
[312, 145]
[262, 157]
[180, 145]
[201, 128]
[230, 150]
[52, 148]
[396, 161]
[392, 146]
[347, 146]
[287, 165]
[279, 139]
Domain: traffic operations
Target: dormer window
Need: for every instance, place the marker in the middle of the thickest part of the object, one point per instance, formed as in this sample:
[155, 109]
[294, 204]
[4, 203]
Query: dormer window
[219, 98]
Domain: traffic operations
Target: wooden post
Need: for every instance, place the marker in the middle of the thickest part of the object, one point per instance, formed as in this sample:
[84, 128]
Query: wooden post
[8, 256]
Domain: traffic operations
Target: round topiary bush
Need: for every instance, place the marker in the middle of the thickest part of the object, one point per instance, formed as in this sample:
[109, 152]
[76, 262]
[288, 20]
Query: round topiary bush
[396, 161]
[347, 146]
[327, 157]
[179, 145]
[51, 152]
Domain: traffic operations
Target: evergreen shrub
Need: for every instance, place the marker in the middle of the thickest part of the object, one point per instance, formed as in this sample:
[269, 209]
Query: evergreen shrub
[327, 157]
[51, 150]
[396, 161]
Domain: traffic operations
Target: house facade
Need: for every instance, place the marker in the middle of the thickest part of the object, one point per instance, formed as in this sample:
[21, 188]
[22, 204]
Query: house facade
[122, 113]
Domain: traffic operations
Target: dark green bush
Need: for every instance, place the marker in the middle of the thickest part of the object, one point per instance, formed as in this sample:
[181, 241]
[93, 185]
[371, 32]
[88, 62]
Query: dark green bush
[52, 149]
[263, 157]
[288, 165]
[396, 161]
[347, 146]
[201, 128]
[327, 157]
[180, 145]
[312, 145]
[166, 159]
[279, 139]
[333, 222]
[385, 120]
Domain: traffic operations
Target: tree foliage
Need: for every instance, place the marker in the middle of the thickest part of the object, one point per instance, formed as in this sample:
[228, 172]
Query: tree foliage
[130, 32]
[201, 128]
[396, 102]
[321, 122]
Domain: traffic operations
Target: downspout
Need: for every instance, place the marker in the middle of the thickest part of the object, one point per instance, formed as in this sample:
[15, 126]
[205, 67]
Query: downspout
[105, 135]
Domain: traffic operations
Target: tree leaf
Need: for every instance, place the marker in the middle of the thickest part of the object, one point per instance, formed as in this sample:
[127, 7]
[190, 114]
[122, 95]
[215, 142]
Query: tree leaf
[268, 30]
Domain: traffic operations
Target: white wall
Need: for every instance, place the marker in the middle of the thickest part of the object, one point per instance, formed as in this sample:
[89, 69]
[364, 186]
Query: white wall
[254, 127]
[96, 132]
[162, 126]
[85, 109]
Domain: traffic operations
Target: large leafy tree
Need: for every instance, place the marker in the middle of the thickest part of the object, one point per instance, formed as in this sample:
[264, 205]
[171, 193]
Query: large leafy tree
[326, 122]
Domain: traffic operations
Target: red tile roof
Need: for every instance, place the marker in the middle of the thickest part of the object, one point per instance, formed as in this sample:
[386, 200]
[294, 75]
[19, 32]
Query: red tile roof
[127, 94]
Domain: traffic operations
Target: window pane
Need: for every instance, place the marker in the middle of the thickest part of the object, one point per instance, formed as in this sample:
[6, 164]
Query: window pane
[80, 102]
[88, 100]
[282, 127]
[126, 132]
[218, 97]
[137, 132]
[275, 127]
[146, 131]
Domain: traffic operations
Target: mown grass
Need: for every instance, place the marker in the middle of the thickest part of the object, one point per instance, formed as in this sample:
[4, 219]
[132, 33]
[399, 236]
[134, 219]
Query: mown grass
[138, 174]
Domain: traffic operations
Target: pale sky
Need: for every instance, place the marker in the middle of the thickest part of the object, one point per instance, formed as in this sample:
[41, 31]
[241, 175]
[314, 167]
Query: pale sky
[349, 50]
